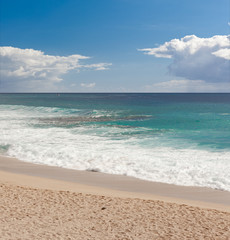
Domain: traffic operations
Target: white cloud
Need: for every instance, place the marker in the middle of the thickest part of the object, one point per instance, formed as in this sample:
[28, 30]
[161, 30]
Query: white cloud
[184, 85]
[197, 58]
[32, 66]
[98, 67]
[89, 85]
[223, 53]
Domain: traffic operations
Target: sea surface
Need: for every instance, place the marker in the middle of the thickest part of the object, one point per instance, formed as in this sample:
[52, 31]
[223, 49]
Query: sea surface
[183, 139]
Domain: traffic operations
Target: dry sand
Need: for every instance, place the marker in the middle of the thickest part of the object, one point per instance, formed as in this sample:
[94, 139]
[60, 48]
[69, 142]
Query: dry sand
[82, 206]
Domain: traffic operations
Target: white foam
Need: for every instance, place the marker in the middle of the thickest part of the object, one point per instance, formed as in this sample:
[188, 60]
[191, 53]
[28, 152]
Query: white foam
[225, 114]
[87, 148]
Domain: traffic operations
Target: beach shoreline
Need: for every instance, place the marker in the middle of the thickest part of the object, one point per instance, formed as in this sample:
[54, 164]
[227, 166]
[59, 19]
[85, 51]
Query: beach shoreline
[17, 172]
[43, 202]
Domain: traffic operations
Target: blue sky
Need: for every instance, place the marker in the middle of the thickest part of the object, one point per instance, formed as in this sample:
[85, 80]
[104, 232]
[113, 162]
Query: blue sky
[112, 32]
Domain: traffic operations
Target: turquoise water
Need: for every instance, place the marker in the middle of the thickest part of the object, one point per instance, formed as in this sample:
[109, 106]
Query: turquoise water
[175, 138]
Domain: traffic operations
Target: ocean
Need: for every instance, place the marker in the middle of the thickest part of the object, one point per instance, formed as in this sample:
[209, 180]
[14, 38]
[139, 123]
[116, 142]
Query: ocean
[181, 139]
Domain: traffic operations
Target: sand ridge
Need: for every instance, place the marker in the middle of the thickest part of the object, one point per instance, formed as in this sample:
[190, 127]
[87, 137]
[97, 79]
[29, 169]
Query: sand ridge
[30, 213]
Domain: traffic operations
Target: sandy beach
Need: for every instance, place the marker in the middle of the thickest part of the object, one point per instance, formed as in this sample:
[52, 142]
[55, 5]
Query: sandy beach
[42, 202]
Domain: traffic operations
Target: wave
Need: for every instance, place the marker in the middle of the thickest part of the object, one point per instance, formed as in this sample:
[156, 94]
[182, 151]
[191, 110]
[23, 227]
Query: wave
[115, 149]
[190, 167]
[19, 109]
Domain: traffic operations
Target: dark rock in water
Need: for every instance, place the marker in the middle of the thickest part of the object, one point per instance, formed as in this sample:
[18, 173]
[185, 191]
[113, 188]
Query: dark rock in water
[63, 121]
[92, 170]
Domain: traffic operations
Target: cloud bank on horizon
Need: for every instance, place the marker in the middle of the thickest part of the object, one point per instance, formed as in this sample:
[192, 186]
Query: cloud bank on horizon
[205, 60]
[89, 85]
[34, 69]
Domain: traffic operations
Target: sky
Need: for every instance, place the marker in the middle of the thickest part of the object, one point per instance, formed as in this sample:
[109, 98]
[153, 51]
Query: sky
[114, 46]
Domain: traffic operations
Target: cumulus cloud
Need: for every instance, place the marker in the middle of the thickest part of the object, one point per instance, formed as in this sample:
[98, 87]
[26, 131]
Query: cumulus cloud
[30, 66]
[195, 58]
[89, 85]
